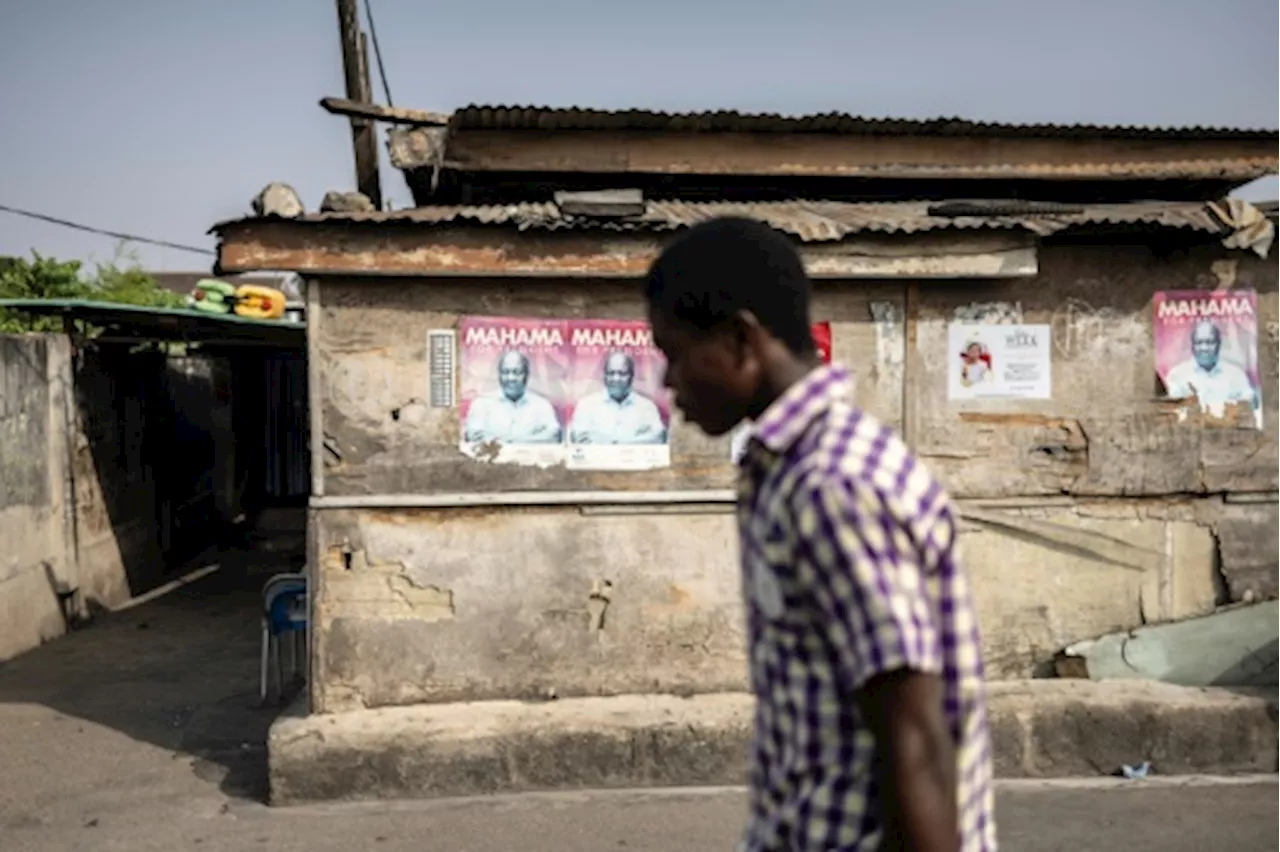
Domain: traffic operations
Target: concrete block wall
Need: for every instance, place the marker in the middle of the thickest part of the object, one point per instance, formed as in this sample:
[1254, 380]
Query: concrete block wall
[34, 520]
[437, 605]
[1099, 510]
[78, 490]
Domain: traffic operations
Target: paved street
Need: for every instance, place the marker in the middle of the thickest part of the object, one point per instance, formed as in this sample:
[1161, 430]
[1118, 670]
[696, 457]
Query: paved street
[143, 732]
[1241, 818]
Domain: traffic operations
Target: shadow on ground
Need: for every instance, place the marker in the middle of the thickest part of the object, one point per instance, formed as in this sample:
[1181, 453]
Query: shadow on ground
[179, 672]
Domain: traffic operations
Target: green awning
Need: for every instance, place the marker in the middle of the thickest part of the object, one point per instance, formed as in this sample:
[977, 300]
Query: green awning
[169, 324]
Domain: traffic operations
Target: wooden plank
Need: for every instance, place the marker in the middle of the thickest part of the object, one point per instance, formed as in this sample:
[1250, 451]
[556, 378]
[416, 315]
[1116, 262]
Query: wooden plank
[1247, 550]
[385, 114]
[355, 66]
[988, 458]
[315, 386]
[400, 248]
[602, 203]
[910, 365]
[833, 155]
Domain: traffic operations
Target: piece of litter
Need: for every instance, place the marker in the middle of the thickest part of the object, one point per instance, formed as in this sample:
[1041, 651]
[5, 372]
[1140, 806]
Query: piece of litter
[1135, 772]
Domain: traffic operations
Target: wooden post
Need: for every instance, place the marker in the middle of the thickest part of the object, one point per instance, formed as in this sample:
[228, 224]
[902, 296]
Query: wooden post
[364, 139]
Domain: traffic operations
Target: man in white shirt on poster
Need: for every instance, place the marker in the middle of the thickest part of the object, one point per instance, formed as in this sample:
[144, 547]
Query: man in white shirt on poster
[618, 414]
[513, 414]
[1214, 382]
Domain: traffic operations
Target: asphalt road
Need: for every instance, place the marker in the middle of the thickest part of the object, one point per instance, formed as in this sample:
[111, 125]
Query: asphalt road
[1138, 817]
[143, 733]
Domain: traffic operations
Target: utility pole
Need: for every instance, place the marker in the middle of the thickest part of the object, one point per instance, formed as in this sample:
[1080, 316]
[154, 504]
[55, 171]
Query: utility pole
[355, 66]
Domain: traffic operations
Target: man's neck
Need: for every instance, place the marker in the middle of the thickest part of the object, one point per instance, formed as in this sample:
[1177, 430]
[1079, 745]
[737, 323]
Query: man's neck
[779, 379]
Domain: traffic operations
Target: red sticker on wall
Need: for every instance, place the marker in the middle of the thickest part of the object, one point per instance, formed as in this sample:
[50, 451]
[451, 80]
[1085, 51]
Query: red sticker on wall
[822, 340]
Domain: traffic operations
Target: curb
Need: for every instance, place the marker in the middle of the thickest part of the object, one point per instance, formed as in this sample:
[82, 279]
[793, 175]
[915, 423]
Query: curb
[1040, 730]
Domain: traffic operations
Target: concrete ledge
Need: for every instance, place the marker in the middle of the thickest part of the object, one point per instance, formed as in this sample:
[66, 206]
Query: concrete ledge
[1040, 729]
[1071, 728]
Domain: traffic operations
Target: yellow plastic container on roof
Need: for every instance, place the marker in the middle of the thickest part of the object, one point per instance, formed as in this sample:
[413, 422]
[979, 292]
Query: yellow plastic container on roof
[258, 302]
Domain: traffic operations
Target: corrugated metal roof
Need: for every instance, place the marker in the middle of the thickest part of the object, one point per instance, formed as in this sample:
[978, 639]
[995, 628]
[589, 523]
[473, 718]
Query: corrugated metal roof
[812, 221]
[166, 323]
[479, 117]
[420, 147]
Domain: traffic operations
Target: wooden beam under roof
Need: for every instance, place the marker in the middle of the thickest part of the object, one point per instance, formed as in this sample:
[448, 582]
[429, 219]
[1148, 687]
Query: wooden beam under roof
[392, 248]
[388, 115]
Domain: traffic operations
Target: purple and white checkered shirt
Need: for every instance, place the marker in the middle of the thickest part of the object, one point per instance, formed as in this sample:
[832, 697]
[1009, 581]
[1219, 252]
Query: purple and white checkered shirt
[849, 571]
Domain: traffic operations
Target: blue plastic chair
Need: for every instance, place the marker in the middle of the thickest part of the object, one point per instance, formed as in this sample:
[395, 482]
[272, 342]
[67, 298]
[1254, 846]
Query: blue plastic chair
[284, 616]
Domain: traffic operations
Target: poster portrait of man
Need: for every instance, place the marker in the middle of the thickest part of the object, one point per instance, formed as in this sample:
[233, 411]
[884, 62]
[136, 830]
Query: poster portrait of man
[1207, 375]
[617, 413]
[513, 413]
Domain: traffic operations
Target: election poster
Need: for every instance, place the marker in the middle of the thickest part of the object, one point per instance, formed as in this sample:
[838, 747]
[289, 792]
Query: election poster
[1206, 347]
[585, 393]
[512, 389]
[995, 361]
[618, 412]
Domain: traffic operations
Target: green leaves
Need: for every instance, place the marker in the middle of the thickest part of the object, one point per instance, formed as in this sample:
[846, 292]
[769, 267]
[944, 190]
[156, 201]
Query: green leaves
[47, 278]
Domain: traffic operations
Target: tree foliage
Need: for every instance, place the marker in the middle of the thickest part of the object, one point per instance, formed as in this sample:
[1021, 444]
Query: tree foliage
[121, 281]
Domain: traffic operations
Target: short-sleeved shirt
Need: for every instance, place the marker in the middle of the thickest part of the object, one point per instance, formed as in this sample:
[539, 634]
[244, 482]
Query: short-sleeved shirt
[849, 572]
[1225, 384]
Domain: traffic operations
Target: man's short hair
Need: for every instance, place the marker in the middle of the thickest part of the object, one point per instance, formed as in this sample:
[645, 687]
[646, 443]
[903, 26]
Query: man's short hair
[720, 267]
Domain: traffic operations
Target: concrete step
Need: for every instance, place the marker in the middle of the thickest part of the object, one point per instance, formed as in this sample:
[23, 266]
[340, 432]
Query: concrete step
[1039, 729]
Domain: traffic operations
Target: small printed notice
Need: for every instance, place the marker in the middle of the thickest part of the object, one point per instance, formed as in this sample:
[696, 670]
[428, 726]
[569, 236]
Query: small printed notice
[998, 362]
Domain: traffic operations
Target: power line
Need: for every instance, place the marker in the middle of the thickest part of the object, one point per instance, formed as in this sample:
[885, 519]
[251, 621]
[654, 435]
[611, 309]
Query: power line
[105, 233]
[377, 51]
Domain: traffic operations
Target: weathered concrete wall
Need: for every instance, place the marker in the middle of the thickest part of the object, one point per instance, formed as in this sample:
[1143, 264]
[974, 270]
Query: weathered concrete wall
[1098, 510]
[86, 444]
[464, 604]
[381, 437]
[474, 604]
[33, 452]
[1105, 432]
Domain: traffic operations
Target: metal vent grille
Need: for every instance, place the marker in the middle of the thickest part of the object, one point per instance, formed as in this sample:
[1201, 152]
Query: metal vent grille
[441, 349]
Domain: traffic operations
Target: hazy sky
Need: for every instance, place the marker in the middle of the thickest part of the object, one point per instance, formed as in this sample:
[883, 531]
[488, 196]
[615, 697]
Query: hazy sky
[161, 117]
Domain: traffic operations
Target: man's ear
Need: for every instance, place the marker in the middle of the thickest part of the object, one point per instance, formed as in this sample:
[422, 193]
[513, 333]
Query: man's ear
[747, 331]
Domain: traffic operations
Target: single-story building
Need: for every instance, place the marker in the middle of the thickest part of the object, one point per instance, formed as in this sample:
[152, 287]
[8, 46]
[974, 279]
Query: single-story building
[451, 562]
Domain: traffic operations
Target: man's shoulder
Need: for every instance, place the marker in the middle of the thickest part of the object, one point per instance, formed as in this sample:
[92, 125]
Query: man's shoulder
[537, 399]
[644, 401]
[1235, 372]
[854, 453]
[590, 401]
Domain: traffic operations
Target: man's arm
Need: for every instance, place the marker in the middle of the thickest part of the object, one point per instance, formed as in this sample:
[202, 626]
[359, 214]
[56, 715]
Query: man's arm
[650, 429]
[865, 573]
[916, 761]
[548, 429]
[475, 428]
[1176, 384]
[580, 425]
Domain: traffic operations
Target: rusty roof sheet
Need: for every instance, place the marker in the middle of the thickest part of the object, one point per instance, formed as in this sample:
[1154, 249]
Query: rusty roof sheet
[477, 117]
[810, 221]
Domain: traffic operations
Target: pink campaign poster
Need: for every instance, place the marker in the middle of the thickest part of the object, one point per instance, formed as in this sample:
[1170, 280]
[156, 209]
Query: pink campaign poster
[512, 393]
[586, 393]
[1206, 346]
[619, 414]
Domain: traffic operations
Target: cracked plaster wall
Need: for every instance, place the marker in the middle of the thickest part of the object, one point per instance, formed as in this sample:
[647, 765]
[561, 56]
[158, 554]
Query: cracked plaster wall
[514, 602]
